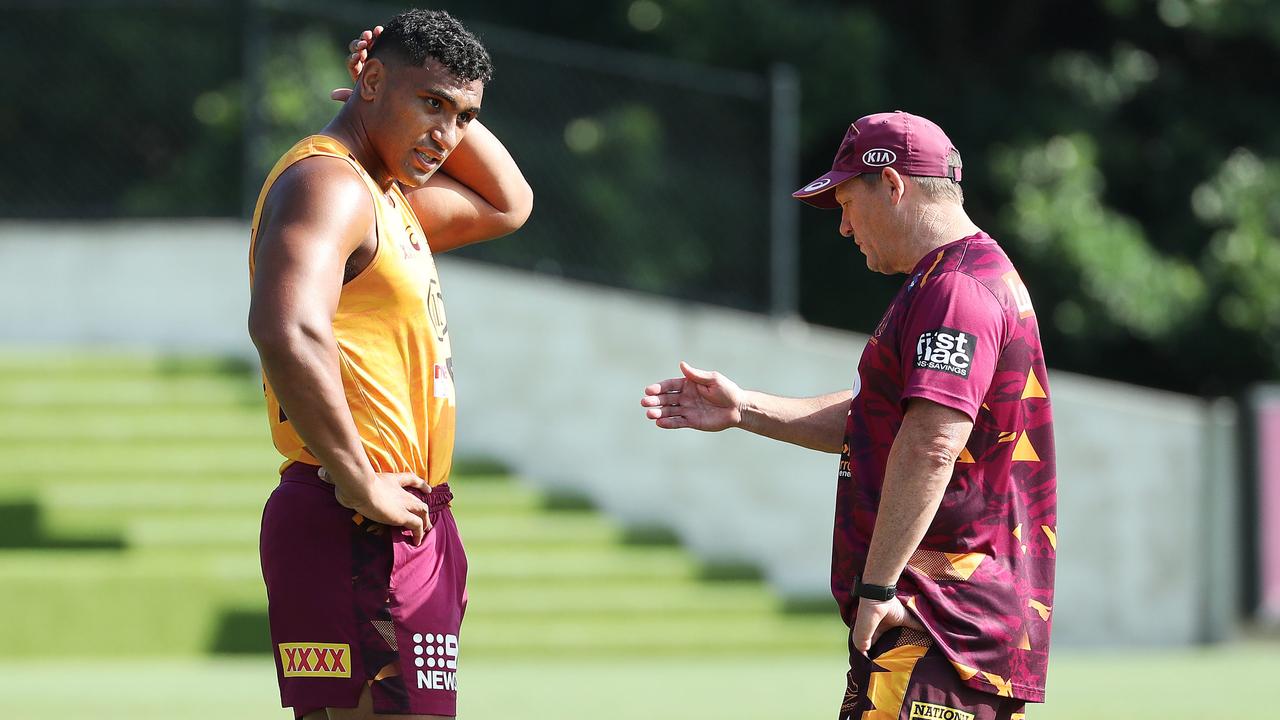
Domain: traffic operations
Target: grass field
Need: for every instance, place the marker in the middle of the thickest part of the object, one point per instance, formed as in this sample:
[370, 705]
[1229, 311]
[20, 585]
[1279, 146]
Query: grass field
[1212, 684]
[130, 588]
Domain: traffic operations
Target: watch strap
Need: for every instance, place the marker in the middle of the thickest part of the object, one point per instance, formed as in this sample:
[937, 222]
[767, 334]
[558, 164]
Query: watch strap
[873, 592]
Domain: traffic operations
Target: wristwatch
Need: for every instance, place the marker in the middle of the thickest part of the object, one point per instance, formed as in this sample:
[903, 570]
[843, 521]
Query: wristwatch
[873, 592]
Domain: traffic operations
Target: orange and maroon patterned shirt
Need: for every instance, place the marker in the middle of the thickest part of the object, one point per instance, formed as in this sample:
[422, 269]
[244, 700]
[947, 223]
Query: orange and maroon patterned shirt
[962, 332]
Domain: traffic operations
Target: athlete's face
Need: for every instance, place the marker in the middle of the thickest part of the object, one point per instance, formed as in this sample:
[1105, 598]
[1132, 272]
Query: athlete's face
[867, 216]
[420, 115]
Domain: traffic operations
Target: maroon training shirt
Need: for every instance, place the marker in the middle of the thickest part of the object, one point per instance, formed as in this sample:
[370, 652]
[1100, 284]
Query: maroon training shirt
[962, 332]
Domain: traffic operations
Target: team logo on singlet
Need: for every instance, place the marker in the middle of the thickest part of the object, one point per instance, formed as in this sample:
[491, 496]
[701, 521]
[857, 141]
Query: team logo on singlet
[435, 309]
[946, 349]
[436, 657]
[929, 711]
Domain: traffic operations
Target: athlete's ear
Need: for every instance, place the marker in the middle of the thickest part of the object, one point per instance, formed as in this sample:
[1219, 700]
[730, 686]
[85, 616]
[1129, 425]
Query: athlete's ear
[373, 79]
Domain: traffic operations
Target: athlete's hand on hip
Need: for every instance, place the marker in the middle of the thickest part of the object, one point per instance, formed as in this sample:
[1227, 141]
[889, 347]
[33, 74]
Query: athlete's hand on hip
[702, 399]
[876, 617]
[355, 61]
[387, 500]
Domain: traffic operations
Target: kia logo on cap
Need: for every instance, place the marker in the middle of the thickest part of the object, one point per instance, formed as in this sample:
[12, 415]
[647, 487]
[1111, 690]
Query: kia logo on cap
[879, 157]
[817, 184]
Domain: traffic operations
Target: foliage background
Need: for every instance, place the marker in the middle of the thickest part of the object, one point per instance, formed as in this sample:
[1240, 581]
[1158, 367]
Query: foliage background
[1123, 151]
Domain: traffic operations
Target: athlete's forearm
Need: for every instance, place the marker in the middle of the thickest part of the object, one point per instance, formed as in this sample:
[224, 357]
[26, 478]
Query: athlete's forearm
[918, 471]
[816, 423]
[482, 163]
[301, 363]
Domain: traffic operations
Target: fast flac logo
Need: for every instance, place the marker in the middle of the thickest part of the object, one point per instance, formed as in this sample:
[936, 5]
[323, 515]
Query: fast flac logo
[315, 659]
[929, 711]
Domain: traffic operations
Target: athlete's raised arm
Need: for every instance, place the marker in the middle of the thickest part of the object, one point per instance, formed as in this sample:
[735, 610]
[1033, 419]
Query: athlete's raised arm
[479, 192]
[316, 216]
[706, 400]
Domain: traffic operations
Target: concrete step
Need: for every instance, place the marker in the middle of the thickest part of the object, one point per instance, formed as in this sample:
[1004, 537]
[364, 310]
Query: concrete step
[52, 461]
[21, 364]
[111, 604]
[80, 393]
[86, 429]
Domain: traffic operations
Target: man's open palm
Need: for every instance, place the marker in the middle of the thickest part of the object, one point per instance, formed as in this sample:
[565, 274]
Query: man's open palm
[702, 400]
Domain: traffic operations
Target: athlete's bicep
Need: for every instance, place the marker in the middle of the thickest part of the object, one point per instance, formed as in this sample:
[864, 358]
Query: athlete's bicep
[317, 214]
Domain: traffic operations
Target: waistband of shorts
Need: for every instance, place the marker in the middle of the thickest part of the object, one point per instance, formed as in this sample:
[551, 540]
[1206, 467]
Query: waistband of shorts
[300, 472]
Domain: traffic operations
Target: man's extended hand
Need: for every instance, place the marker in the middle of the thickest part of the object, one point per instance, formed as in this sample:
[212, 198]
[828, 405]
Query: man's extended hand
[387, 501]
[703, 400]
[876, 617]
[355, 61]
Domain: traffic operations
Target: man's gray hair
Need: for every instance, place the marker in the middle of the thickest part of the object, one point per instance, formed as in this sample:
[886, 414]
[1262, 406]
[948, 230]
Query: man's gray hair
[940, 189]
[934, 189]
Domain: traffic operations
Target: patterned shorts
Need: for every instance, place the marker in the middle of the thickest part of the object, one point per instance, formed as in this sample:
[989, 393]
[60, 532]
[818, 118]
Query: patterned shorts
[907, 678]
[353, 604]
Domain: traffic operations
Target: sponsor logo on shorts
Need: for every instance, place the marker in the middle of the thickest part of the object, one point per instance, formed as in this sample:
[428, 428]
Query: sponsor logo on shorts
[851, 694]
[929, 711]
[946, 349]
[436, 657]
[316, 659]
[879, 157]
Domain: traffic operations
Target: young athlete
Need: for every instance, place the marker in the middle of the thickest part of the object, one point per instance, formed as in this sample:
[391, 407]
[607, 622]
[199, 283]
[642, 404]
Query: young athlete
[365, 574]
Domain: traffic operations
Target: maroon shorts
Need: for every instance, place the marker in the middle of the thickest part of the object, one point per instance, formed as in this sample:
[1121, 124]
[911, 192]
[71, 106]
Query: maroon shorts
[352, 603]
[908, 678]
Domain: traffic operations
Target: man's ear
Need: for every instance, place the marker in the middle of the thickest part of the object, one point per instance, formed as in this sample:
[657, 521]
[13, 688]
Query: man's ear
[895, 183]
[373, 79]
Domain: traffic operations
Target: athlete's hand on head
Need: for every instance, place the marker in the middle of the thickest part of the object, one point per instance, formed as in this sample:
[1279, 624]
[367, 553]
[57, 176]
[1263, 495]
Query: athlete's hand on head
[876, 617]
[387, 501]
[702, 399]
[355, 61]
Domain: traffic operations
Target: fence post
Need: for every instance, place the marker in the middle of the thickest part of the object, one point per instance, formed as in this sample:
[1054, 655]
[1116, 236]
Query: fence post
[1220, 541]
[784, 211]
[253, 55]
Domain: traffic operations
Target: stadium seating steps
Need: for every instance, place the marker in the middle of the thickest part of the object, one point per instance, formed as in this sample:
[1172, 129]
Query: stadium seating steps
[131, 489]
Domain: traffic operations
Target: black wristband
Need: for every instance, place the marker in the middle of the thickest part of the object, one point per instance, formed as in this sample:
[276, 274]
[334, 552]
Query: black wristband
[873, 592]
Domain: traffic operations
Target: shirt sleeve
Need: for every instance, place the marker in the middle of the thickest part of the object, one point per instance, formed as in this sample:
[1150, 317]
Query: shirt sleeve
[954, 332]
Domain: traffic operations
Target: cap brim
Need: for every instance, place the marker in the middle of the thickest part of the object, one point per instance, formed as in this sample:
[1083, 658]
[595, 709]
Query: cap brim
[821, 192]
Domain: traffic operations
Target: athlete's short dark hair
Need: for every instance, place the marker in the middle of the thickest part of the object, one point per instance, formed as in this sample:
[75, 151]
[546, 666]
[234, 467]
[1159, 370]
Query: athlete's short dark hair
[415, 35]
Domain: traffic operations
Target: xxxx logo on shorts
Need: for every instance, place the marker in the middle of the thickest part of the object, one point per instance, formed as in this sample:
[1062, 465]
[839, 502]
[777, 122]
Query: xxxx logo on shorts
[316, 659]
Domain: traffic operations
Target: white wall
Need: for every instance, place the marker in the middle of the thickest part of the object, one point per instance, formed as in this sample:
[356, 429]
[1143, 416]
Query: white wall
[550, 374]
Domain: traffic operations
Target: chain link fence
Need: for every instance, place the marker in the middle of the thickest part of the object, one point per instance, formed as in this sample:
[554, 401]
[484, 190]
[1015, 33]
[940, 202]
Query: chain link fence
[648, 173]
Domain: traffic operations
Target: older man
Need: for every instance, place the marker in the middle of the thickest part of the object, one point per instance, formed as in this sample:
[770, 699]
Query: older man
[944, 544]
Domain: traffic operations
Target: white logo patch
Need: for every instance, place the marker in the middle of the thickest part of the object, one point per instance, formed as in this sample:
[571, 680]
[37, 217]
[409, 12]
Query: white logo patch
[879, 157]
[946, 349]
[817, 185]
[439, 653]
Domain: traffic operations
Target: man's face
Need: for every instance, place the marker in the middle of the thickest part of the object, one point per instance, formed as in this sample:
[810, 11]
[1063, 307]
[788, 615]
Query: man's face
[420, 115]
[865, 217]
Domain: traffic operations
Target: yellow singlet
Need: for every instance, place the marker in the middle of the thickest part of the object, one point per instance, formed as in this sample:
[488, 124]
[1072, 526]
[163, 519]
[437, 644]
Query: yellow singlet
[393, 340]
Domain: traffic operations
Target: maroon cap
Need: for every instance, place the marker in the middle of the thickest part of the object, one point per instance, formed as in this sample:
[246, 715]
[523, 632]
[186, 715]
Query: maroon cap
[907, 143]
